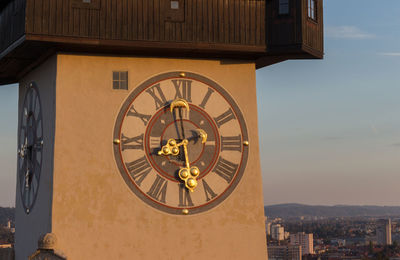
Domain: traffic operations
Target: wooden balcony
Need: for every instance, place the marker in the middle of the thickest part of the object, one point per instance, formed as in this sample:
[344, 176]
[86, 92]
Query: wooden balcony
[32, 30]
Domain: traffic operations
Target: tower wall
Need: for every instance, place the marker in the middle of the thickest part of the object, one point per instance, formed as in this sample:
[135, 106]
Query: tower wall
[29, 227]
[94, 213]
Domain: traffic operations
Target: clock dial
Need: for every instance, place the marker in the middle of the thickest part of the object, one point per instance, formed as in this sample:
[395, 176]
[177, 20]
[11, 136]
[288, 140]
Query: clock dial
[180, 142]
[30, 147]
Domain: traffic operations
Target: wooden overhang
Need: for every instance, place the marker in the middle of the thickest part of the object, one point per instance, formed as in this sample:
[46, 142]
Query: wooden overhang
[32, 30]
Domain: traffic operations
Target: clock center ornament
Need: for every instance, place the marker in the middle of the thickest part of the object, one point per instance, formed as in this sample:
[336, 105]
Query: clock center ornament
[187, 174]
[181, 143]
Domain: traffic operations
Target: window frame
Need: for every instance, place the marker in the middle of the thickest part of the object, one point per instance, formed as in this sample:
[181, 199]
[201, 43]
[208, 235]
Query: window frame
[312, 13]
[120, 80]
[281, 4]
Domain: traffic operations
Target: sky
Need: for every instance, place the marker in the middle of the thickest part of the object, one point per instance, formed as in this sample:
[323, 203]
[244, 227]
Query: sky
[329, 129]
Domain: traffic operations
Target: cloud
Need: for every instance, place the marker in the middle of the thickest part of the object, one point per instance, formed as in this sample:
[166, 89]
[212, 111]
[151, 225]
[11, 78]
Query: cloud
[396, 144]
[347, 32]
[390, 53]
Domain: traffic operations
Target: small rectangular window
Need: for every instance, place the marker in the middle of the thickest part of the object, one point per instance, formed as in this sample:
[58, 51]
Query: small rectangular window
[174, 4]
[174, 10]
[312, 9]
[120, 80]
[283, 6]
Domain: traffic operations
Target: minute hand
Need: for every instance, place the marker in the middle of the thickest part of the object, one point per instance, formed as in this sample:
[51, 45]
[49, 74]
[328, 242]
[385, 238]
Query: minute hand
[185, 142]
[188, 174]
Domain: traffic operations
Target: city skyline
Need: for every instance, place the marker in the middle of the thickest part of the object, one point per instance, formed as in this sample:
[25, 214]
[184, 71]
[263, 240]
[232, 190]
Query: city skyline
[329, 129]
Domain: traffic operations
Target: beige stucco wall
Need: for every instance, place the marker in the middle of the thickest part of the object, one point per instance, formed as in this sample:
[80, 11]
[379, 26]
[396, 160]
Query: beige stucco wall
[96, 216]
[30, 227]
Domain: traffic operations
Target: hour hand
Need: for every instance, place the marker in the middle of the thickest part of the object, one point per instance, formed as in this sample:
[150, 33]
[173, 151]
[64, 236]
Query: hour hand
[198, 134]
[202, 134]
[170, 148]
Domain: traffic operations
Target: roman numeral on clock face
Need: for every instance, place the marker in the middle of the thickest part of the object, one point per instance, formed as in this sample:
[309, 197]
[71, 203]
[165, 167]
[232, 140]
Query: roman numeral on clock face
[232, 143]
[224, 117]
[132, 112]
[206, 98]
[159, 98]
[184, 197]
[155, 142]
[138, 169]
[210, 194]
[158, 190]
[132, 143]
[183, 89]
[225, 169]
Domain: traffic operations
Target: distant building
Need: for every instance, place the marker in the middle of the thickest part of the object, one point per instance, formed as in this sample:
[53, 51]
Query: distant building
[304, 240]
[338, 242]
[268, 228]
[288, 252]
[12, 230]
[384, 232]
[277, 232]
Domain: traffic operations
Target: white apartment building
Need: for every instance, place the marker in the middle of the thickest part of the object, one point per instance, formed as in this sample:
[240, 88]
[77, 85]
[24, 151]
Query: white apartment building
[268, 228]
[277, 232]
[306, 241]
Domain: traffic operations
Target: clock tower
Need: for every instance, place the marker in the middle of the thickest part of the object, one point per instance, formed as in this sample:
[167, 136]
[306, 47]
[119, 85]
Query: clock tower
[138, 135]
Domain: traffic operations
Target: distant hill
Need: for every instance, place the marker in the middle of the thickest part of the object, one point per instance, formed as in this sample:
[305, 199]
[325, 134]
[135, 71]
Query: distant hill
[298, 210]
[6, 214]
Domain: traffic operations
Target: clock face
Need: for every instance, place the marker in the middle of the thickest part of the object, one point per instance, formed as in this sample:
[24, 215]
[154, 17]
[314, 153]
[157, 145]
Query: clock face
[180, 143]
[30, 144]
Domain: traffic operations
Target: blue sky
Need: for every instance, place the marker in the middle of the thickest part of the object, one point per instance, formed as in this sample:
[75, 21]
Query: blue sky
[329, 129]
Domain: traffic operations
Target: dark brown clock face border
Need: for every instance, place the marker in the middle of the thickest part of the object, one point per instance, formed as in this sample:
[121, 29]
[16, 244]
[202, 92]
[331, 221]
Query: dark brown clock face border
[30, 147]
[126, 106]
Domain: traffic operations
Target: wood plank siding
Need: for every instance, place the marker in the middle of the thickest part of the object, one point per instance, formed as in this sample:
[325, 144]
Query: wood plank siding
[205, 21]
[239, 29]
[313, 31]
[295, 31]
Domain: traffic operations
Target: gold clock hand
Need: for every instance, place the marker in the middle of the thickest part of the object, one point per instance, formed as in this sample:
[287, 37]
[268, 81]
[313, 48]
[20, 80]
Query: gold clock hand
[180, 103]
[185, 142]
[202, 135]
[182, 128]
[188, 174]
[170, 148]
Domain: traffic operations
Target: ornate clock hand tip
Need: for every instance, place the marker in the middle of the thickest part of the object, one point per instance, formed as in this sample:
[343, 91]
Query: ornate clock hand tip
[179, 102]
[202, 135]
